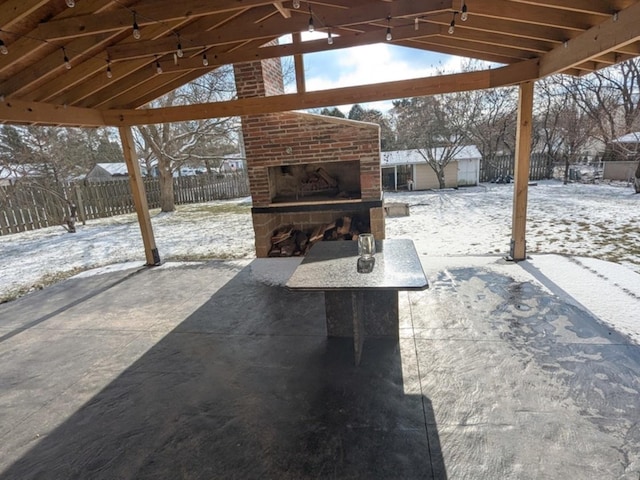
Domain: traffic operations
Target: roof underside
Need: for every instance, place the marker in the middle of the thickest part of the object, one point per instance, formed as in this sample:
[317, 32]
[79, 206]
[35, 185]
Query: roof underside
[570, 36]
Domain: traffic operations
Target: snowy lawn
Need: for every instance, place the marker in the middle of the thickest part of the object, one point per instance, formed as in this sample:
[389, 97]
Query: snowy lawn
[599, 221]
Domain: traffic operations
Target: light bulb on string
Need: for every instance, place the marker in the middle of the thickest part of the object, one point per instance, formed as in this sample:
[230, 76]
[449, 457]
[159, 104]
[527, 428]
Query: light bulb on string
[158, 67]
[109, 72]
[136, 28]
[389, 37]
[70, 3]
[205, 60]
[464, 15]
[296, 4]
[311, 26]
[452, 25]
[330, 38]
[67, 63]
[3, 48]
[179, 51]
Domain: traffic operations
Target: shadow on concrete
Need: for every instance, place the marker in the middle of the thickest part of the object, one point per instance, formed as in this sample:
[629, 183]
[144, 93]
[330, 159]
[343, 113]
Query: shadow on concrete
[248, 386]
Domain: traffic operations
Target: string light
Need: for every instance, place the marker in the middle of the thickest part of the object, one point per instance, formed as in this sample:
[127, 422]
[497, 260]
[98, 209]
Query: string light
[136, 28]
[329, 38]
[389, 36]
[67, 63]
[109, 72]
[296, 4]
[464, 15]
[158, 67]
[70, 3]
[205, 60]
[452, 25]
[179, 51]
[3, 48]
[311, 26]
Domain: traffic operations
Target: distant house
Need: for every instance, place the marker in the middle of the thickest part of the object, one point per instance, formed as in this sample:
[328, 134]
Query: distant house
[626, 147]
[10, 174]
[621, 157]
[104, 172]
[232, 163]
[404, 169]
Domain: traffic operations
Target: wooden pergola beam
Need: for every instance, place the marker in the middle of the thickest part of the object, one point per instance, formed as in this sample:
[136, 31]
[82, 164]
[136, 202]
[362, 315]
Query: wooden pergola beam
[467, 81]
[270, 30]
[148, 12]
[618, 31]
[20, 112]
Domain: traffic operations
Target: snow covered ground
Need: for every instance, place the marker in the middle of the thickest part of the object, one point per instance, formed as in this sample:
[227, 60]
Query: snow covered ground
[588, 223]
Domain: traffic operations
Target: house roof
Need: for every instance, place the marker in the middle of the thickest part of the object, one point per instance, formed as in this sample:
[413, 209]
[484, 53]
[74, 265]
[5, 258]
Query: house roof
[16, 171]
[532, 38]
[413, 157]
[115, 168]
[633, 137]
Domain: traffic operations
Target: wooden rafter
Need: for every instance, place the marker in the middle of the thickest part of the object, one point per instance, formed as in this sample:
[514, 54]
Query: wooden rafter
[520, 33]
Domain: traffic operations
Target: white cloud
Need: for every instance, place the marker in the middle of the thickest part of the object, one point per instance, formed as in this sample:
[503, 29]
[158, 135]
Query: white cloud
[371, 64]
[361, 66]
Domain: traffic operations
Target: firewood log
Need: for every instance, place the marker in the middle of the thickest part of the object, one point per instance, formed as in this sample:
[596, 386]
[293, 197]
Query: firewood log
[332, 182]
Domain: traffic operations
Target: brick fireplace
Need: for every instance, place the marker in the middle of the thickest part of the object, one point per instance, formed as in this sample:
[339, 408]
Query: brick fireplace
[306, 170]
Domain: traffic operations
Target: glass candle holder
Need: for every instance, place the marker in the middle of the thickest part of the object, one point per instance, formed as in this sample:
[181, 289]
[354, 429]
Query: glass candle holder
[366, 245]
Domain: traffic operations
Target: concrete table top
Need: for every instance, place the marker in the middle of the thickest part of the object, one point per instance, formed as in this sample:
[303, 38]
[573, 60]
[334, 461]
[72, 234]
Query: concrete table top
[336, 266]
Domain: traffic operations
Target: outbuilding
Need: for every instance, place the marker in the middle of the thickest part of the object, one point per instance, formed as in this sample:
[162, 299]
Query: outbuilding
[408, 169]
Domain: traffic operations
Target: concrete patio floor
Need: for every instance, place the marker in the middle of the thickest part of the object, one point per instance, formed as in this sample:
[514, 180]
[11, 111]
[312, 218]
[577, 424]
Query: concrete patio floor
[214, 370]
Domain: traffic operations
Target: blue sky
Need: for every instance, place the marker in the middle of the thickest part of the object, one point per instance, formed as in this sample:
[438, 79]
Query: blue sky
[368, 64]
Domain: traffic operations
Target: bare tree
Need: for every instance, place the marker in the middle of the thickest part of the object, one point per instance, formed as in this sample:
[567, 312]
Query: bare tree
[198, 142]
[561, 128]
[611, 99]
[437, 127]
[493, 127]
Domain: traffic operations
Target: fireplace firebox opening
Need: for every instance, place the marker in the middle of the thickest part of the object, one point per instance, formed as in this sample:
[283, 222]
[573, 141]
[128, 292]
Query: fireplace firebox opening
[315, 182]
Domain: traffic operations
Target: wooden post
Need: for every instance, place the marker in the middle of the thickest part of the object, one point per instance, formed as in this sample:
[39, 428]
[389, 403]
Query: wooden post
[521, 173]
[139, 196]
[80, 203]
[395, 178]
[299, 67]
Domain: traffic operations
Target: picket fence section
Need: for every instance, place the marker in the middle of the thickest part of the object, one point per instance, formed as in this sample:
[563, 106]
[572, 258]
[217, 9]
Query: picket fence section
[29, 206]
[503, 166]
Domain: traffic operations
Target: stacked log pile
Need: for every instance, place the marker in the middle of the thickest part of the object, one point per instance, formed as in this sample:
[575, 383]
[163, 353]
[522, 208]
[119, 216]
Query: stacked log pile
[288, 241]
[318, 182]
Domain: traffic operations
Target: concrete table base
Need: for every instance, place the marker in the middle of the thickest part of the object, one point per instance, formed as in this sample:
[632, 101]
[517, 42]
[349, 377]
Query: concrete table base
[379, 311]
[357, 313]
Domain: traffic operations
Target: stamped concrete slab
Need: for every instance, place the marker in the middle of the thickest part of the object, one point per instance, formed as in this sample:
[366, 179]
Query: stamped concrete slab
[217, 371]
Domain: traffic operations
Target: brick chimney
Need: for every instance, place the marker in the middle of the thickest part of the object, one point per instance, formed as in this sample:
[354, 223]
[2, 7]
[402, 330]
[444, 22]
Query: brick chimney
[277, 141]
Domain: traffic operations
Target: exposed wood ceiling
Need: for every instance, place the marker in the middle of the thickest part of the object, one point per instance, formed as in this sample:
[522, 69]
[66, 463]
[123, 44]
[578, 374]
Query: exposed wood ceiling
[533, 38]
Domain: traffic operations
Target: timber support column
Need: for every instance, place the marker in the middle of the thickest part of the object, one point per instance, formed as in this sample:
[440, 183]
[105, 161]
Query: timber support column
[139, 196]
[521, 173]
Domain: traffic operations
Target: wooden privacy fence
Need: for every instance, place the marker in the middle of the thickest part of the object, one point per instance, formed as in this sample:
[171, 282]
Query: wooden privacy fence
[29, 206]
[501, 166]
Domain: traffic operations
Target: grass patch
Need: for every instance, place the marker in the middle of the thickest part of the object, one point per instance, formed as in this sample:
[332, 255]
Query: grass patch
[204, 257]
[217, 209]
[45, 281]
